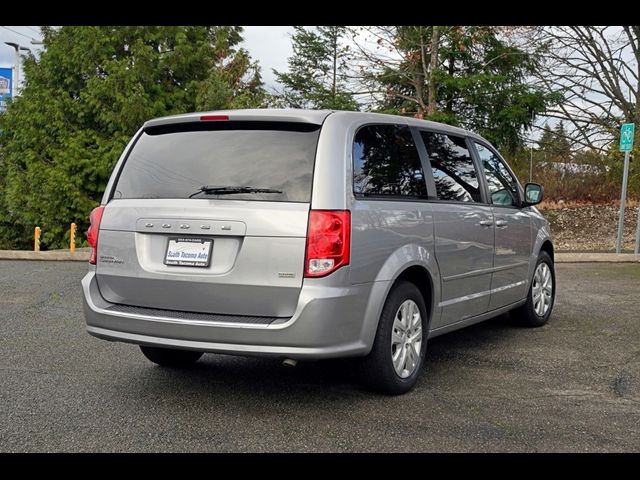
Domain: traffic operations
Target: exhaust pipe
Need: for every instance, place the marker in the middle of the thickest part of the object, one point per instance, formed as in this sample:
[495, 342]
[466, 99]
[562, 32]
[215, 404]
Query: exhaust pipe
[289, 362]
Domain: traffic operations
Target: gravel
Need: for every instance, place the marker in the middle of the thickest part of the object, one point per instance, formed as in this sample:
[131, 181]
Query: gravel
[591, 228]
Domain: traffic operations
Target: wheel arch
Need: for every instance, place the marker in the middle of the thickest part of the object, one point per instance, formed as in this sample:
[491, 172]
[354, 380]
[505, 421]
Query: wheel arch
[542, 243]
[547, 246]
[421, 278]
[411, 263]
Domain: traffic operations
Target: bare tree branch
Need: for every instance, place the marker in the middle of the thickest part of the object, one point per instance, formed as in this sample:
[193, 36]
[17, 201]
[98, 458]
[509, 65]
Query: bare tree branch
[597, 70]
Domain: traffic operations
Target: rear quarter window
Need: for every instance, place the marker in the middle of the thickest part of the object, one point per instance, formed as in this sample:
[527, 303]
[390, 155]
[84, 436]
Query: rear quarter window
[386, 163]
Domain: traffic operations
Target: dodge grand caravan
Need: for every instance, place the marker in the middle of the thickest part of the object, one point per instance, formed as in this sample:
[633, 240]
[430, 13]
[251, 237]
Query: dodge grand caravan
[309, 235]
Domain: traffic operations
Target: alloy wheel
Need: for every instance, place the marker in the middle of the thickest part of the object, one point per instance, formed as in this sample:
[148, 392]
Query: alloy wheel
[542, 289]
[406, 339]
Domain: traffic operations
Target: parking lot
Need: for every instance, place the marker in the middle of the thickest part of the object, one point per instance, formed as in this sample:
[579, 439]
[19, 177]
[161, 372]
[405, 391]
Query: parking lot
[573, 385]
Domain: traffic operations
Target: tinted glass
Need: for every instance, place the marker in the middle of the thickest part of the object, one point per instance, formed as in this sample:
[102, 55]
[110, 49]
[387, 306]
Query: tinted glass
[502, 186]
[453, 170]
[175, 161]
[386, 162]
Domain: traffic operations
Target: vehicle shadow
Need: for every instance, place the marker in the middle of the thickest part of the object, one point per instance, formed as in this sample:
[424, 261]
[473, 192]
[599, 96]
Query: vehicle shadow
[220, 377]
[470, 339]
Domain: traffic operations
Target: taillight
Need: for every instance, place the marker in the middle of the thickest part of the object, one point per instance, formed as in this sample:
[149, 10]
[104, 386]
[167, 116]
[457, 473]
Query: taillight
[328, 242]
[92, 234]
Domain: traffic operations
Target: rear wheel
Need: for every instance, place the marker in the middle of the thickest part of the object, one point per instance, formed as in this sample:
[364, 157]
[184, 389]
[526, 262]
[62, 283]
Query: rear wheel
[537, 310]
[395, 361]
[168, 357]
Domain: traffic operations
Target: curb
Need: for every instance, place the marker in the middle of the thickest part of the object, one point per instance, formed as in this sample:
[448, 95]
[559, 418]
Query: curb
[597, 258]
[83, 256]
[51, 256]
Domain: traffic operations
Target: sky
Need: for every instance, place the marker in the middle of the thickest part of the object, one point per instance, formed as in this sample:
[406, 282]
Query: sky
[270, 45]
[20, 35]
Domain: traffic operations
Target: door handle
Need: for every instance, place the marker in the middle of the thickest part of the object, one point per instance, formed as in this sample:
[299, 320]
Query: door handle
[486, 223]
[501, 223]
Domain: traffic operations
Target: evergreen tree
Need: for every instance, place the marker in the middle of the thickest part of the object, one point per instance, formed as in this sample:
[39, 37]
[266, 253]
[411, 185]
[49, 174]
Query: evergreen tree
[84, 98]
[554, 144]
[465, 76]
[546, 139]
[317, 70]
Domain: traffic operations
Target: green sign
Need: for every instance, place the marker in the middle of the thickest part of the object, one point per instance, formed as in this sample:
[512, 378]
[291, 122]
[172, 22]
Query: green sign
[626, 137]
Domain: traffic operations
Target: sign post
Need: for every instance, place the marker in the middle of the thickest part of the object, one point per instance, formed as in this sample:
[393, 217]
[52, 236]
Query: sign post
[637, 249]
[626, 145]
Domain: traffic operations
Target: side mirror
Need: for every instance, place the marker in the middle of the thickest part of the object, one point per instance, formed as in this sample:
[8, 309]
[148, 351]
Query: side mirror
[533, 194]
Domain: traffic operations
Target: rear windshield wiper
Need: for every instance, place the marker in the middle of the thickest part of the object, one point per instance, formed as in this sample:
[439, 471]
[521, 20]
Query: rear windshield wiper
[209, 190]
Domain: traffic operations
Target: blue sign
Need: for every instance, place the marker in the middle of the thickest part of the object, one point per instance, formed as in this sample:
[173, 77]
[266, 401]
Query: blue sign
[6, 86]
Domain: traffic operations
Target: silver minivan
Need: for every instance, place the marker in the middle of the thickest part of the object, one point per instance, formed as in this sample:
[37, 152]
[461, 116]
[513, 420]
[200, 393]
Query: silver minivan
[309, 235]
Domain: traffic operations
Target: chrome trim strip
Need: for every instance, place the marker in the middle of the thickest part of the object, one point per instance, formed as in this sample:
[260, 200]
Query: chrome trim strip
[465, 298]
[483, 271]
[179, 321]
[506, 287]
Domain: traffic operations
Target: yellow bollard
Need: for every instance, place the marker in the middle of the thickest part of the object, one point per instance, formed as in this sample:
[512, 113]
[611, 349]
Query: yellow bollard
[36, 240]
[72, 238]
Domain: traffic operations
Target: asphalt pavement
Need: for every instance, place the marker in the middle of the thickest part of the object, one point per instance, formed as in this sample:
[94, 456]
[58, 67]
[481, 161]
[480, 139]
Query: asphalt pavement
[573, 385]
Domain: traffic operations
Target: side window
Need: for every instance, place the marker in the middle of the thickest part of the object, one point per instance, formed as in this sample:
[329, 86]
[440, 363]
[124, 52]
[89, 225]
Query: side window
[503, 188]
[454, 174]
[386, 163]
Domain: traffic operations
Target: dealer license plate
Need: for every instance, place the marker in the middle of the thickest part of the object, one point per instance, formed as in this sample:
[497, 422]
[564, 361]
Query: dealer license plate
[188, 252]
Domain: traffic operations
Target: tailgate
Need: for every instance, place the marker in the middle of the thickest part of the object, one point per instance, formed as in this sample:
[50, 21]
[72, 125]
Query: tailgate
[255, 266]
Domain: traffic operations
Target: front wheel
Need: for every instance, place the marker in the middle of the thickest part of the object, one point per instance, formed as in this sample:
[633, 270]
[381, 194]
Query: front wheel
[537, 310]
[394, 363]
[168, 357]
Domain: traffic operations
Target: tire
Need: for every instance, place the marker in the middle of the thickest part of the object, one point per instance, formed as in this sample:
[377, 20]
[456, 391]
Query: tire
[378, 369]
[527, 314]
[168, 357]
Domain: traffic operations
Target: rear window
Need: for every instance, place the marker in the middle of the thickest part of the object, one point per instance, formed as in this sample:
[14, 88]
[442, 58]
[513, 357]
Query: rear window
[175, 161]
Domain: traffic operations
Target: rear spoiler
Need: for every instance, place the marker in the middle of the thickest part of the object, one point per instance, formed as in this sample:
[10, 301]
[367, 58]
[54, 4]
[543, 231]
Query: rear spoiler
[315, 117]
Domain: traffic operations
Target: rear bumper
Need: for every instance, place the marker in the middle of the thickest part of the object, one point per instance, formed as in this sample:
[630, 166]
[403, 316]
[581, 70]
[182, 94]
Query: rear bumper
[328, 322]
